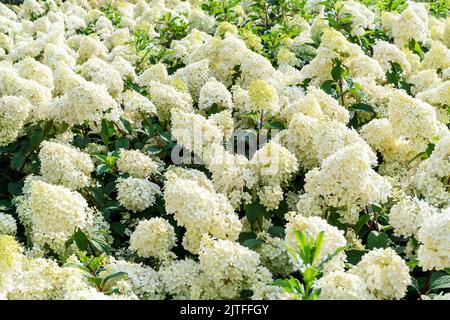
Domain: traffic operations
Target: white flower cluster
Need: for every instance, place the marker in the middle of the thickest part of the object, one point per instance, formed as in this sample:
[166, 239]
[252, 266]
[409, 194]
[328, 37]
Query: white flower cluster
[411, 24]
[340, 285]
[362, 17]
[136, 164]
[24, 277]
[136, 107]
[408, 215]
[214, 92]
[384, 272]
[435, 242]
[433, 174]
[179, 278]
[229, 267]
[153, 238]
[334, 45]
[273, 254]
[145, 282]
[56, 212]
[136, 194]
[64, 165]
[346, 181]
[337, 111]
[270, 167]
[191, 197]
[13, 114]
[8, 224]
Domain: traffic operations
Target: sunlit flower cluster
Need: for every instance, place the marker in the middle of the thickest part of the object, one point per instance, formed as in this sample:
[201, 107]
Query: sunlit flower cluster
[206, 149]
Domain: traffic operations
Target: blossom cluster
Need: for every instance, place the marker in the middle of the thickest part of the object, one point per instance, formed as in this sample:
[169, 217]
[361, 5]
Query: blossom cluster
[177, 149]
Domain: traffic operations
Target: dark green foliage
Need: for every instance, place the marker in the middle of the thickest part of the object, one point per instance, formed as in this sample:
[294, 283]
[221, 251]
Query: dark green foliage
[15, 2]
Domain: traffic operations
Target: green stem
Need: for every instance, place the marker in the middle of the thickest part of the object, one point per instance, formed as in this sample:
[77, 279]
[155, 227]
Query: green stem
[341, 95]
[427, 283]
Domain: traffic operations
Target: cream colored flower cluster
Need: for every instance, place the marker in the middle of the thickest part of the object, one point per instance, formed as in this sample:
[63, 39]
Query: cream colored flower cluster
[347, 182]
[434, 242]
[56, 212]
[384, 272]
[191, 198]
[182, 138]
[8, 224]
[408, 215]
[136, 194]
[25, 277]
[64, 165]
[381, 274]
[229, 268]
[136, 164]
[153, 238]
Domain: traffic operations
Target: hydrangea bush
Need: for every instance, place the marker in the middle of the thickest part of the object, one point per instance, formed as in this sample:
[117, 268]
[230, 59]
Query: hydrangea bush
[224, 149]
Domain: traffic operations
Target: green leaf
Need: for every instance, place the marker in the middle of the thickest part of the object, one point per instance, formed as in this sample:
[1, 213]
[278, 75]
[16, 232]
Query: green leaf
[166, 136]
[36, 138]
[425, 154]
[113, 276]
[440, 283]
[277, 125]
[5, 205]
[333, 219]
[412, 264]
[94, 263]
[149, 129]
[361, 107]
[107, 131]
[415, 47]
[361, 222]
[377, 240]
[430, 149]
[354, 256]
[100, 245]
[122, 143]
[18, 159]
[301, 238]
[252, 243]
[243, 236]
[253, 211]
[305, 83]
[290, 285]
[15, 188]
[213, 109]
[415, 284]
[276, 231]
[310, 274]
[284, 283]
[81, 240]
[253, 116]
[118, 228]
[98, 195]
[327, 86]
[304, 246]
[336, 72]
[394, 74]
[102, 168]
[111, 159]
[318, 246]
[95, 280]
[155, 150]
[127, 125]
